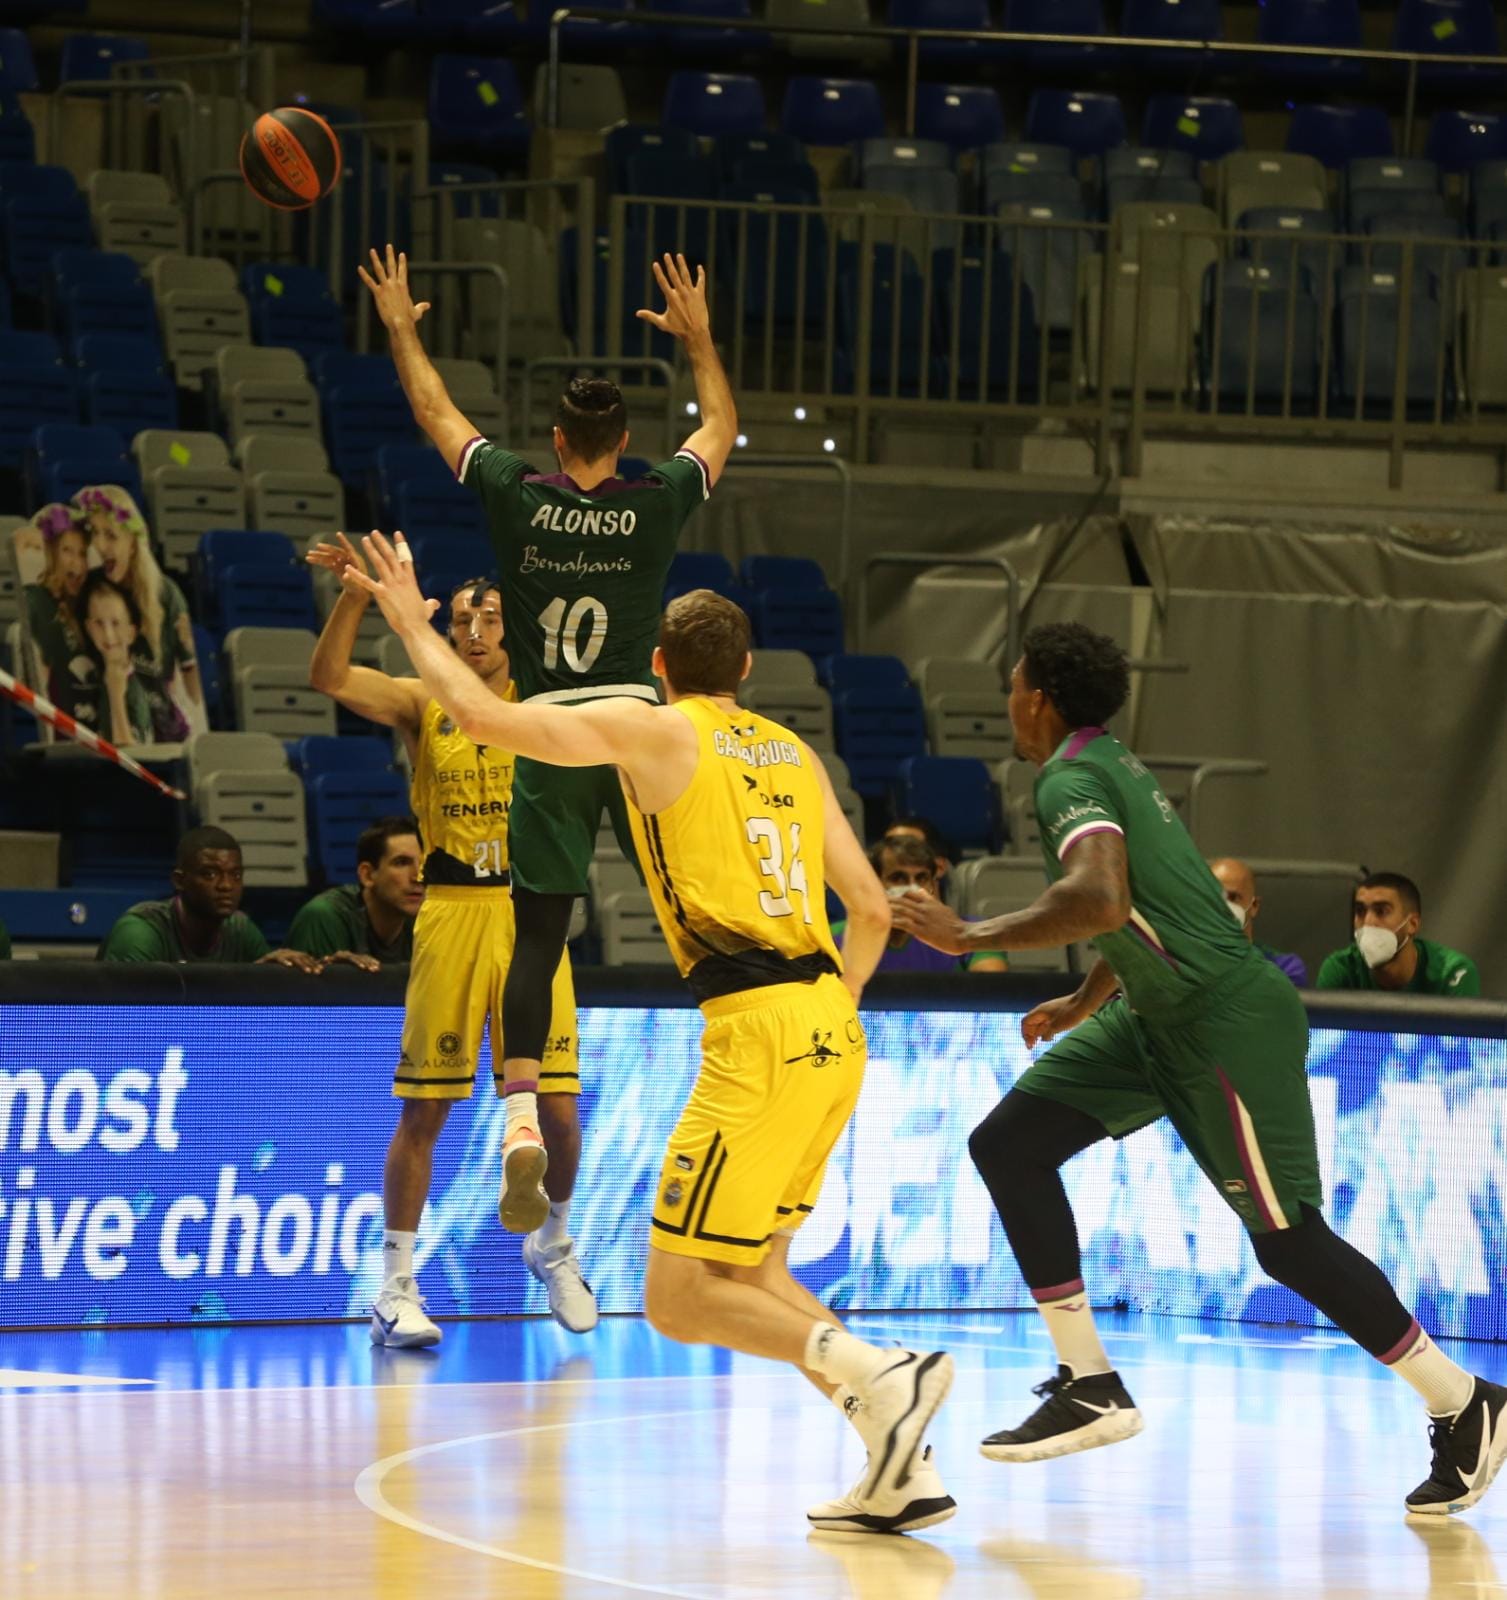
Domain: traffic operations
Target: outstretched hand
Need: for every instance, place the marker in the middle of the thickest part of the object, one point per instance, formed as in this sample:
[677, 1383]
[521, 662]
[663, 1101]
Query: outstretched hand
[685, 315]
[393, 583]
[388, 282]
[924, 917]
[335, 557]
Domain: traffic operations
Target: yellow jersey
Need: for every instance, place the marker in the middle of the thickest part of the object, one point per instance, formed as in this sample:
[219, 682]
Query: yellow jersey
[735, 865]
[461, 793]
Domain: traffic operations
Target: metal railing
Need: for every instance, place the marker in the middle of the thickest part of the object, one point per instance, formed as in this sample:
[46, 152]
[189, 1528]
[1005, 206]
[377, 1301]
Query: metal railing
[1202, 770]
[894, 558]
[912, 39]
[742, 459]
[653, 364]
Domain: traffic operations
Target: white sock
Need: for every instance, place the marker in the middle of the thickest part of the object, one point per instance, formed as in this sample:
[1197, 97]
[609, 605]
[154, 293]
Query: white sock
[1446, 1388]
[851, 1405]
[522, 1107]
[397, 1254]
[838, 1357]
[1070, 1321]
[556, 1226]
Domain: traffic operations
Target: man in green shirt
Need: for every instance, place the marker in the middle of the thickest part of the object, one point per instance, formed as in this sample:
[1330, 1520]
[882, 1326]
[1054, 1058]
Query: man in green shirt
[1388, 954]
[1179, 1018]
[582, 558]
[203, 921]
[368, 923]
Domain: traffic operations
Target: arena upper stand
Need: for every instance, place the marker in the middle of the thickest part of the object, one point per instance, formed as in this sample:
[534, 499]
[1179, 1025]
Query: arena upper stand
[935, 245]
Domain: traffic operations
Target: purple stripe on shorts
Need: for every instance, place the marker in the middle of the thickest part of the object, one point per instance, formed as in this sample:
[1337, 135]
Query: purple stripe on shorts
[1058, 1291]
[1083, 737]
[1152, 945]
[1404, 1344]
[1253, 1187]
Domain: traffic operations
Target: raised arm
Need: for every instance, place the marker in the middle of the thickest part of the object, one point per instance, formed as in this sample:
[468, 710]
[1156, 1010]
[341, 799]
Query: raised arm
[686, 318]
[394, 702]
[848, 871]
[433, 409]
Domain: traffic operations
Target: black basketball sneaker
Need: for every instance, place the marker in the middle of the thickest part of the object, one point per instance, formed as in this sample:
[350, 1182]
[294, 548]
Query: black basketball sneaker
[1074, 1414]
[1468, 1452]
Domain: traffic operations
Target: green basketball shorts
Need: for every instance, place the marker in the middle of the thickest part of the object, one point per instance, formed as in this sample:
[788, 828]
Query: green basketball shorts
[554, 820]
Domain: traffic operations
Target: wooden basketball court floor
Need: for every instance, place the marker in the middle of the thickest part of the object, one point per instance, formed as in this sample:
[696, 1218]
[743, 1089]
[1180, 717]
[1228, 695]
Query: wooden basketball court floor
[518, 1461]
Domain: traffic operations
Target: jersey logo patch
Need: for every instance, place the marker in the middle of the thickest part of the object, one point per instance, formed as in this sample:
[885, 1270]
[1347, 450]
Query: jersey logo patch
[821, 1051]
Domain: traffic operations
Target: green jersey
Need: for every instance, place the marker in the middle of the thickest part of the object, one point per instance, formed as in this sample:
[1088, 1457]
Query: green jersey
[582, 572]
[337, 920]
[1180, 941]
[149, 931]
[1440, 970]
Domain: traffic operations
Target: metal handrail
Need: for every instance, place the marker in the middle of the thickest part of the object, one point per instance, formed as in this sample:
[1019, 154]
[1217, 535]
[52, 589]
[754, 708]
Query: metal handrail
[914, 36]
[93, 88]
[1203, 768]
[485, 269]
[895, 558]
[598, 364]
[829, 463]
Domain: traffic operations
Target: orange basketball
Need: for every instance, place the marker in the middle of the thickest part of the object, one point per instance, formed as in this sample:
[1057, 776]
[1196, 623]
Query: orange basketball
[290, 158]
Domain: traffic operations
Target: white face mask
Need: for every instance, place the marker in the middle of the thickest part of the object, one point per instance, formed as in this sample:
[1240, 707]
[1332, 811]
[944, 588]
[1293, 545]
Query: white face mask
[1237, 912]
[1377, 945]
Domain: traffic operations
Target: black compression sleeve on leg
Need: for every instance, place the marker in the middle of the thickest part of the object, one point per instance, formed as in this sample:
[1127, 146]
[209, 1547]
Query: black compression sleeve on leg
[1352, 1291]
[1017, 1149]
[541, 922]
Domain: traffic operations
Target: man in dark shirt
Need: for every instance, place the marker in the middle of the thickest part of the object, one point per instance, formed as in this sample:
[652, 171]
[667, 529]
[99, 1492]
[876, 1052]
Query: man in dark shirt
[370, 922]
[203, 921]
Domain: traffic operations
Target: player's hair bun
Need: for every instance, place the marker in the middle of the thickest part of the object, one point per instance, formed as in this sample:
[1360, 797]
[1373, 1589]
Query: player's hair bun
[593, 394]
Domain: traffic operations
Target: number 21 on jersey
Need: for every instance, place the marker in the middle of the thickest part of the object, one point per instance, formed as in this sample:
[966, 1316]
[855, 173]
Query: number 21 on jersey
[785, 868]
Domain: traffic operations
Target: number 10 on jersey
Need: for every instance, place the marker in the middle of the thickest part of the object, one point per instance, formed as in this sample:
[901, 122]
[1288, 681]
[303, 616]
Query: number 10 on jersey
[562, 633]
[786, 869]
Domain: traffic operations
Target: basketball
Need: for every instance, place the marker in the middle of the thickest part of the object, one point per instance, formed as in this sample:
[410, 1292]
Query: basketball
[290, 158]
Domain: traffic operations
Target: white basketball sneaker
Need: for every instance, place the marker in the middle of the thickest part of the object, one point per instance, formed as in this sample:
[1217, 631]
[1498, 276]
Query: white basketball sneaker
[399, 1320]
[900, 1401]
[557, 1267]
[921, 1504]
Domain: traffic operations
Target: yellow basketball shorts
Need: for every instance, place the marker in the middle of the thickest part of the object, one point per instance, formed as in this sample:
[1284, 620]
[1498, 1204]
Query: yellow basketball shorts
[780, 1073]
[462, 946]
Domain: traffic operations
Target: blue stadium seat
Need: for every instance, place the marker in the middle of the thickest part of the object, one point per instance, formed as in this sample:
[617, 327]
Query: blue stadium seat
[212, 676]
[243, 550]
[797, 181]
[18, 140]
[964, 16]
[1314, 23]
[341, 806]
[782, 572]
[1034, 189]
[1047, 258]
[1088, 123]
[733, 152]
[363, 407]
[902, 152]
[1293, 247]
[92, 55]
[18, 72]
[1007, 161]
[584, 37]
[316, 754]
[292, 306]
[1084, 17]
[1267, 319]
[463, 551]
[1194, 20]
[638, 339]
[63, 457]
[831, 111]
[411, 487]
[957, 793]
[1449, 27]
[1369, 323]
[453, 174]
[697, 569]
[962, 115]
[41, 212]
[878, 730]
[682, 224]
[712, 44]
[1132, 175]
[1205, 125]
[484, 24]
[859, 671]
[115, 301]
[772, 278]
[1432, 241]
[1459, 140]
[475, 103]
[1363, 206]
[330, 367]
[931, 191]
[991, 315]
[714, 103]
[1393, 183]
[1488, 197]
[125, 383]
[1338, 135]
[898, 301]
[260, 595]
[796, 619]
[380, 19]
[38, 388]
[632, 138]
[119, 352]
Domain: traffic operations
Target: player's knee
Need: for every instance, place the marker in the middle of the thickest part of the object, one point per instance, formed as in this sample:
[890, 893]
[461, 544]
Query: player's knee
[671, 1297]
[559, 1114]
[422, 1121]
[1300, 1257]
[996, 1143]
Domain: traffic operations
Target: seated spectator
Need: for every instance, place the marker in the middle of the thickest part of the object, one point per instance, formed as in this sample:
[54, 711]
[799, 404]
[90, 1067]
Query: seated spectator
[905, 863]
[1239, 885]
[369, 922]
[922, 828]
[203, 921]
[1388, 954]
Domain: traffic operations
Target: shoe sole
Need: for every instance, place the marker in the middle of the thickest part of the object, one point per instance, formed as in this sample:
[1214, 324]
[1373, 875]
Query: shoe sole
[1102, 1431]
[918, 1514]
[405, 1341]
[523, 1205]
[930, 1382]
[1494, 1460]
